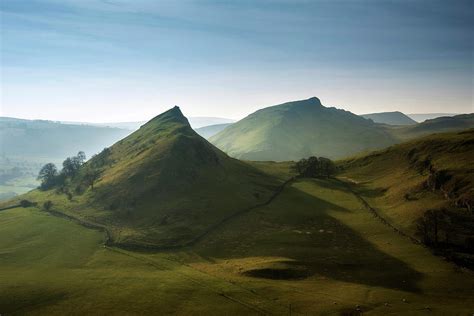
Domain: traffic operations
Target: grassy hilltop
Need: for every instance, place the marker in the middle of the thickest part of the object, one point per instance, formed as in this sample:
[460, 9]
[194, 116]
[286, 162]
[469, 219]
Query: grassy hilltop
[162, 186]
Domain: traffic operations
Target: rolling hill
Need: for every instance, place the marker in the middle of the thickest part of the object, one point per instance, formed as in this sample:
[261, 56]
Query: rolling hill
[298, 129]
[161, 186]
[437, 125]
[391, 118]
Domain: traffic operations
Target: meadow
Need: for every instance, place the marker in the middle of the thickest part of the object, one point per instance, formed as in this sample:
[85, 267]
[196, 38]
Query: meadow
[315, 249]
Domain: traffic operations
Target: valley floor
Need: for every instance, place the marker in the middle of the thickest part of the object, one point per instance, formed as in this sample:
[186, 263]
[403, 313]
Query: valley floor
[316, 249]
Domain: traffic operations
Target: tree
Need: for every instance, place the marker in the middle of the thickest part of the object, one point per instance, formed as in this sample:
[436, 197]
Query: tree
[47, 205]
[90, 177]
[431, 224]
[315, 167]
[26, 203]
[47, 176]
[81, 157]
[72, 165]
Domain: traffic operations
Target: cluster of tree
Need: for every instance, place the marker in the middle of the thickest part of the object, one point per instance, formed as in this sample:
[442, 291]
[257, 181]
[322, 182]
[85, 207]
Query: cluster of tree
[75, 171]
[434, 227]
[447, 228]
[50, 176]
[315, 167]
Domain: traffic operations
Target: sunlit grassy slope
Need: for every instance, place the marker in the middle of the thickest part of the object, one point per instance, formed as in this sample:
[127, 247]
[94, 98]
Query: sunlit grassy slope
[298, 129]
[315, 250]
[164, 185]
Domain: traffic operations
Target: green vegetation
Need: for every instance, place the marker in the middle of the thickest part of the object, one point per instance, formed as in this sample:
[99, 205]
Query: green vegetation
[163, 186]
[391, 118]
[315, 249]
[315, 167]
[424, 187]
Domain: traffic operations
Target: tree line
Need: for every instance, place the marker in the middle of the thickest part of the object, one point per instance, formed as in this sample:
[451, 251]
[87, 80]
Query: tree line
[73, 169]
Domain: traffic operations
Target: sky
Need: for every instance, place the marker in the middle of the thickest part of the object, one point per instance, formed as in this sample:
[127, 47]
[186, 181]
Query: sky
[128, 60]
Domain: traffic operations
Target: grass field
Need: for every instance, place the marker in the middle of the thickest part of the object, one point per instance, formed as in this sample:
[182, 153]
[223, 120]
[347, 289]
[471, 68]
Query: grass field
[314, 250]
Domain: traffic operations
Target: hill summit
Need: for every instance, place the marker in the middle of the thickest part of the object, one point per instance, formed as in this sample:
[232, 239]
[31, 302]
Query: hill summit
[162, 186]
[298, 129]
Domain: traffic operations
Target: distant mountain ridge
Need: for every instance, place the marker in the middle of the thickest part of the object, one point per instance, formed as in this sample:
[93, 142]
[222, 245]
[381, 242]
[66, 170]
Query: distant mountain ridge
[211, 130]
[421, 117]
[194, 121]
[50, 139]
[391, 118]
[298, 129]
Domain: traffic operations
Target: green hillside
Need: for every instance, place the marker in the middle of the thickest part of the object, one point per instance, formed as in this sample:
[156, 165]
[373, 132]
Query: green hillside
[162, 186]
[298, 129]
[435, 174]
[391, 118]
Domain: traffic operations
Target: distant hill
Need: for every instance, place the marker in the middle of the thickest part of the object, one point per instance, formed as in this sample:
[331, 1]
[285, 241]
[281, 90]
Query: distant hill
[437, 125]
[26, 145]
[195, 122]
[211, 130]
[391, 118]
[48, 139]
[298, 129]
[163, 185]
[434, 173]
[428, 116]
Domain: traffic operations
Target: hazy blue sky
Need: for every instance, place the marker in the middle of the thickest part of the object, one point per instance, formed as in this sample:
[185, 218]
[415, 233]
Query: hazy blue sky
[122, 60]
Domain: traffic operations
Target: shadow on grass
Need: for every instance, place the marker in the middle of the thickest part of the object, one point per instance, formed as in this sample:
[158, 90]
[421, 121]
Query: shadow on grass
[296, 226]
